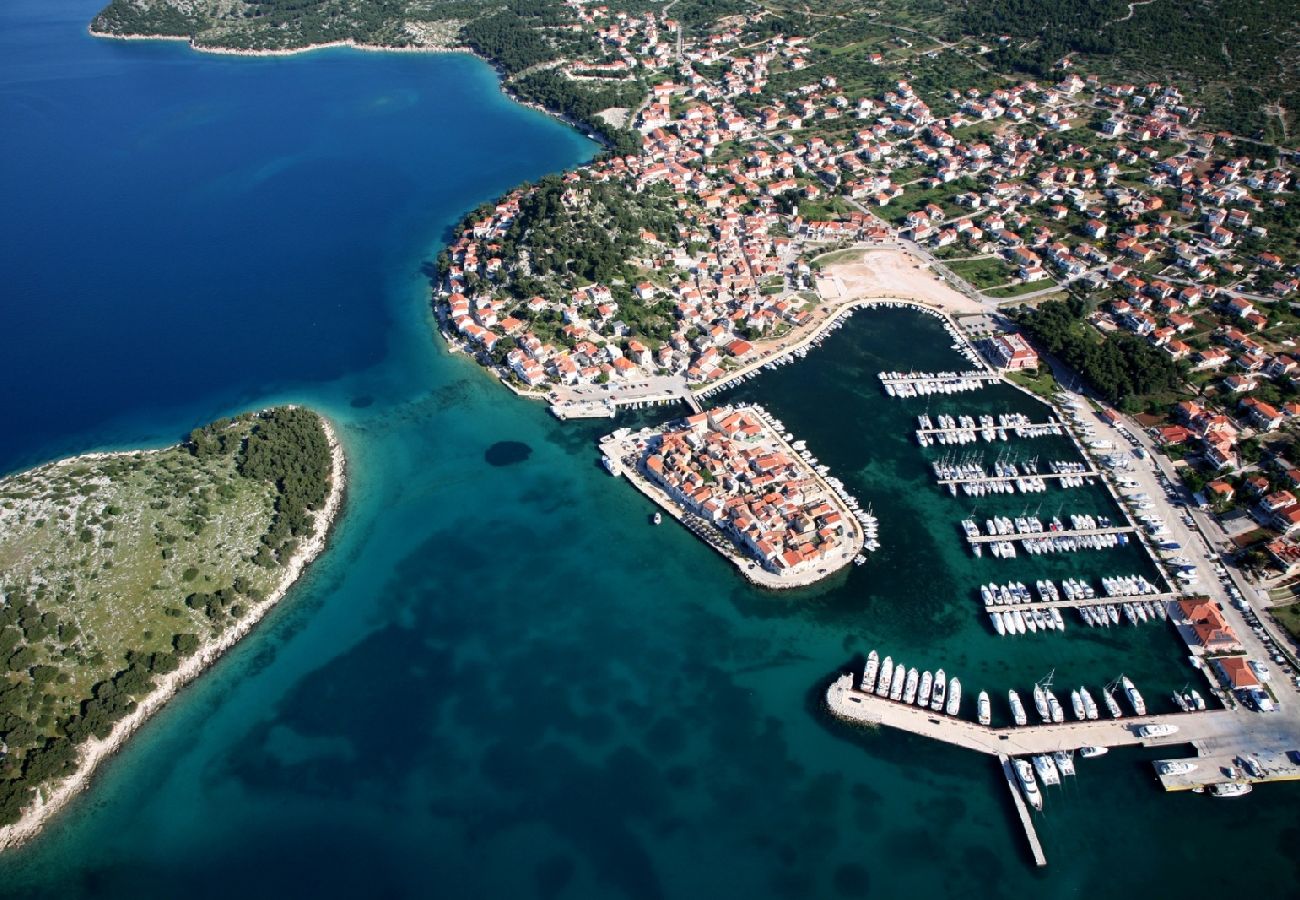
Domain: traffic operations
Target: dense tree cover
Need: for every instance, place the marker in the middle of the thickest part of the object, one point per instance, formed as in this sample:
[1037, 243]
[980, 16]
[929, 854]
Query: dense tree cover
[1122, 367]
[509, 40]
[581, 101]
[589, 238]
[288, 448]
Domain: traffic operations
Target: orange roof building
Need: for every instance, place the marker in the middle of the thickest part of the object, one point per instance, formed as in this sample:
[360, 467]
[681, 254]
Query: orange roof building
[1238, 673]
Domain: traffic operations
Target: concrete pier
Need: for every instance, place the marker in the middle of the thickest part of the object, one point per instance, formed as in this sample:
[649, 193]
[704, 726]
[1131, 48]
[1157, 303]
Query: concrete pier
[1074, 604]
[847, 702]
[985, 479]
[1022, 809]
[994, 538]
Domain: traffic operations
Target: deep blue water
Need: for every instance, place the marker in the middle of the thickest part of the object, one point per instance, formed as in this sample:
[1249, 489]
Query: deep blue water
[186, 234]
[500, 680]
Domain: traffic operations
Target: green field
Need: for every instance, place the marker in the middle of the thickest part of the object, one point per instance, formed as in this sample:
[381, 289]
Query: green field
[1289, 618]
[115, 568]
[982, 273]
[1017, 290]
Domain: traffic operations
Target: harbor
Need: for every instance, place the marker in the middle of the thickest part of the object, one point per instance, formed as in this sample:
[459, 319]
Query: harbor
[941, 569]
[947, 430]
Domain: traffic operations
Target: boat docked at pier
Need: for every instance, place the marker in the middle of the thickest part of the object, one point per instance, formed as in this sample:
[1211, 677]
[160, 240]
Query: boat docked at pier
[1175, 767]
[898, 682]
[1028, 785]
[872, 669]
[1017, 709]
[1134, 698]
[938, 693]
[984, 708]
[910, 686]
[886, 677]
[953, 704]
[1046, 769]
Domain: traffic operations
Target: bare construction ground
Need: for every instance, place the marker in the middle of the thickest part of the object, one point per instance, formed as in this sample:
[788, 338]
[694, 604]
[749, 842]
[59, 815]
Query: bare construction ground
[889, 273]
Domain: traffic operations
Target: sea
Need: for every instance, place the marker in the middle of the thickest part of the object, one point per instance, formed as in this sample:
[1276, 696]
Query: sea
[501, 680]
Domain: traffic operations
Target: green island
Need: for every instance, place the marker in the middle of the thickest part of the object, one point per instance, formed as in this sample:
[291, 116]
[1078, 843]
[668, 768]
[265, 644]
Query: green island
[124, 574]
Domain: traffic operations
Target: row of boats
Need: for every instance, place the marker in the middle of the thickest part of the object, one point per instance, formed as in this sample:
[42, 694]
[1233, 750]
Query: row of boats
[925, 384]
[972, 478]
[949, 430]
[1032, 526]
[1135, 612]
[786, 358]
[1074, 590]
[924, 689]
[1038, 538]
[870, 524]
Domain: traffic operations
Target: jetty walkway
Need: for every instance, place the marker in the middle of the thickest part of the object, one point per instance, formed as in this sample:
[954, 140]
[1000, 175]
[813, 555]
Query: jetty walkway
[1079, 601]
[1035, 535]
[848, 702]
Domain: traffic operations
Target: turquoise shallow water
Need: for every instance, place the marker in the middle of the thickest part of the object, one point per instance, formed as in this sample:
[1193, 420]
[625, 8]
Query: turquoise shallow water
[501, 680]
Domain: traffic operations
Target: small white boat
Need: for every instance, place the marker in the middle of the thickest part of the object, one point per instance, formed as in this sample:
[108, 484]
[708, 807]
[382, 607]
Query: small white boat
[900, 679]
[1017, 709]
[1175, 767]
[923, 696]
[953, 706]
[1093, 752]
[1155, 731]
[1076, 703]
[909, 687]
[939, 692]
[985, 709]
[886, 677]
[869, 674]
[1028, 786]
[1089, 704]
[1046, 770]
[1064, 762]
[1054, 707]
[1233, 789]
[657, 518]
[1134, 698]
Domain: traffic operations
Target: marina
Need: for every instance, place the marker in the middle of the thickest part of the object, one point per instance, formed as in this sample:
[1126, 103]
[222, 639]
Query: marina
[946, 430]
[925, 384]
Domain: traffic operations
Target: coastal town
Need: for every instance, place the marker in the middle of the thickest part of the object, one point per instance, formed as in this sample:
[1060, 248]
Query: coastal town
[1110, 424]
[731, 474]
[773, 193]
